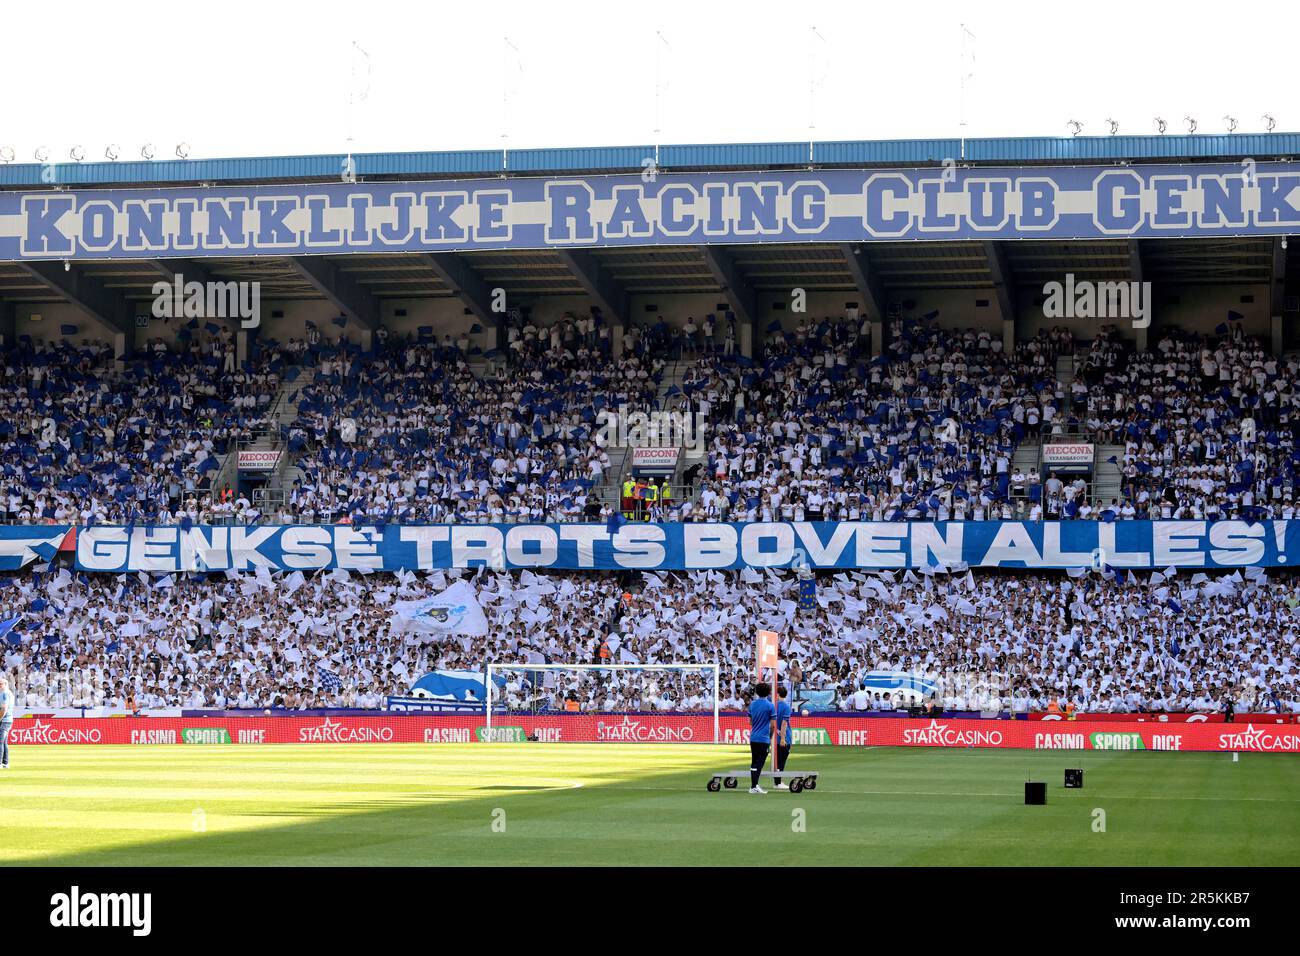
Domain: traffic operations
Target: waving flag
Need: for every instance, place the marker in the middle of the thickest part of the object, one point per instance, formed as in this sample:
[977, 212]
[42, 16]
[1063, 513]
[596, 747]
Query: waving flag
[455, 611]
[19, 547]
[453, 685]
[808, 593]
[766, 650]
[7, 630]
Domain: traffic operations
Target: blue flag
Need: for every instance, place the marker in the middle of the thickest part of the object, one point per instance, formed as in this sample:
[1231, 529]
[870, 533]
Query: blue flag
[808, 593]
[7, 630]
[328, 679]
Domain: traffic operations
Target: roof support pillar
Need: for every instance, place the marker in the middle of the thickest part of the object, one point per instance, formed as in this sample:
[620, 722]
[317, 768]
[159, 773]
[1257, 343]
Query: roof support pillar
[739, 294]
[348, 296]
[467, 285]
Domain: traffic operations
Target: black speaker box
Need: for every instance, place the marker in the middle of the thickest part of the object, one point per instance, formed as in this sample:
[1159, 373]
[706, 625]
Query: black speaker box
[1074, 778]
[1035, 794]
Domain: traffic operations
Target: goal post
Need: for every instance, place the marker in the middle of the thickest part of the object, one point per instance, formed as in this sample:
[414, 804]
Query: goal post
[494, 668]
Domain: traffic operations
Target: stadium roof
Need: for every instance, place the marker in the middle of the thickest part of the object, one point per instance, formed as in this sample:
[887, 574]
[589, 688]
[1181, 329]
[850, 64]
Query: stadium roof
[883, 271]
[874, 273]
[679, 158]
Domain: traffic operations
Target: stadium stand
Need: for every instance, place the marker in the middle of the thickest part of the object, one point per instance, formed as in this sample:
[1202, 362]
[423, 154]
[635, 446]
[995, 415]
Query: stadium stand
[88, 440]
[1202, 427]
[914, 413]
[1003, 642]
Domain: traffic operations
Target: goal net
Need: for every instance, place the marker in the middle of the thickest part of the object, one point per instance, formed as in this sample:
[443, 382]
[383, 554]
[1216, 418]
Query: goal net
[614, 702]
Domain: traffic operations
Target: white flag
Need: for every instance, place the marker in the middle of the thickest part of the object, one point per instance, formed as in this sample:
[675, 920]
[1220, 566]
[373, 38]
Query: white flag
[455, 611]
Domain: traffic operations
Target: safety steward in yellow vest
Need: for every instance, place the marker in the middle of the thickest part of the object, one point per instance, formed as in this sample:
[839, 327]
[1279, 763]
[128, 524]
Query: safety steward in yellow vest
[629, 498]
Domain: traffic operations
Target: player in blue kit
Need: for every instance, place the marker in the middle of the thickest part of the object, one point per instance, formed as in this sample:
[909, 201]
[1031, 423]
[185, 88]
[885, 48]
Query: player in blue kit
[784, 735]
[762, 724]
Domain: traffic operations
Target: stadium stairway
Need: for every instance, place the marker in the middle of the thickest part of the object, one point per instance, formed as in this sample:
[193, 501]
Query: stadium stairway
[284, 411]
[1065, 366]
[1026, 458]
[1107, 480]
[609, 491]
[674, 375]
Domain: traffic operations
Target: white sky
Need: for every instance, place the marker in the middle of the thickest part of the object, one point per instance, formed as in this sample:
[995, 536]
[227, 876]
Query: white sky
[256, 77]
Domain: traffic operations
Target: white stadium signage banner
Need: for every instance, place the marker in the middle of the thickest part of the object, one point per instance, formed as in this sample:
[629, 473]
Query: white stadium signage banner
[1062, 453]
[259, 460]
[654, 461]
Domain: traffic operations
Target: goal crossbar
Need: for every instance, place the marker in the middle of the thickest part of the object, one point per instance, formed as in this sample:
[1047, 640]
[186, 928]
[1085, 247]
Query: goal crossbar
[499, 666]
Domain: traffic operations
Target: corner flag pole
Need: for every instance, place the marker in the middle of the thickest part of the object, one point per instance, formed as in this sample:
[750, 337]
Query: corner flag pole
[769, 655]
[776, 703]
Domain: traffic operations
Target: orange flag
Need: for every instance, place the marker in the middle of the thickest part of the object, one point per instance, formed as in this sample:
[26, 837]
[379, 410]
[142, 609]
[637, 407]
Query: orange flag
[766, 652]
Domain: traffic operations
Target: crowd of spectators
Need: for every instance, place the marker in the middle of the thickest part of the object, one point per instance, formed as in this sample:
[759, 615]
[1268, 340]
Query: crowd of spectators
[995, 641]
[1208, 425]
[86, 439]
[818, 430]
[410, 434]
[815, 429]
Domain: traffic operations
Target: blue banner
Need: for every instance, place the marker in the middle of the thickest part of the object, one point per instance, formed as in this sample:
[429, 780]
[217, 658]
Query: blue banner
[877, 545]
[429, 705]
[836, 205]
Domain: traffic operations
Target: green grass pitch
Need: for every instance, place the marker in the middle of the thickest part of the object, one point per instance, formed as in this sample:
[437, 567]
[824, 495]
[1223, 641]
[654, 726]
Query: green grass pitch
[513, 804]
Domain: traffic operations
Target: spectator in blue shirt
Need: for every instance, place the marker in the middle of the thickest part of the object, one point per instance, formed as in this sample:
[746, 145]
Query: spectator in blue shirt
[6, 721]
[762, 724]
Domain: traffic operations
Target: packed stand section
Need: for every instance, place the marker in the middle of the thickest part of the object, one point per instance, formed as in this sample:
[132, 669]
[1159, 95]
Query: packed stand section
[410, 433]
[1208, 425]
[818, 430]
[87, 439]
[1163, 641]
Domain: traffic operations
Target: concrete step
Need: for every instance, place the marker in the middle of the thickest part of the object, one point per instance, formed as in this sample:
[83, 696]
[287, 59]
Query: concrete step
[1065, 366]
[1107, 478]
[1025, 458]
